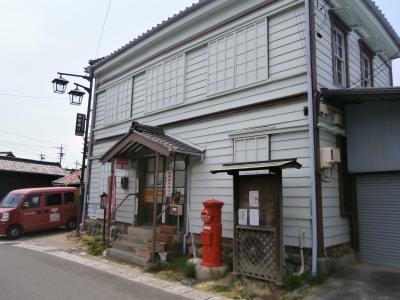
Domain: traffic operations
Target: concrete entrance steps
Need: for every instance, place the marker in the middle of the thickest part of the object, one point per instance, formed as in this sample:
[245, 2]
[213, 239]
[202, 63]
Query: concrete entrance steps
[136, 246]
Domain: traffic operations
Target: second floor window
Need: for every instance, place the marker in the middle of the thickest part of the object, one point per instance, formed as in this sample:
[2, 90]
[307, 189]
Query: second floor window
[250, 149]
[339, 59]
[165, 84]
[366, 70]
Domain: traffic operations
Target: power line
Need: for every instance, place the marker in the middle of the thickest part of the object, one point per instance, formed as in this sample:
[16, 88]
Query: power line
[102, 28]
[28, 137]
[373, 72]
[26, 145]
[32, 97]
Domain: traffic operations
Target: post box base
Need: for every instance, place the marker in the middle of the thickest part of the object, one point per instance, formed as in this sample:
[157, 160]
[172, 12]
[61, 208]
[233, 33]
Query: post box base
[204, 273]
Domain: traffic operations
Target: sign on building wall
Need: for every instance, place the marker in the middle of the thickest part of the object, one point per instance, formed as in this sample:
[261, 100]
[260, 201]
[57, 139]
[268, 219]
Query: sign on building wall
[80, 124]
[169, 183]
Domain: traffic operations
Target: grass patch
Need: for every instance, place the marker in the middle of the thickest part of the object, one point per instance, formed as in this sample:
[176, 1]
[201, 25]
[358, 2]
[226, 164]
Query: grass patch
[229, 286]
[94, 246]
[292, 282]
[175, 269]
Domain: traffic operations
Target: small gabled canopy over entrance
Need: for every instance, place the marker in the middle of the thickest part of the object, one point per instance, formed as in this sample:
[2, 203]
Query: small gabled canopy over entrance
[258, 165]
[142, 137]
[341, 97]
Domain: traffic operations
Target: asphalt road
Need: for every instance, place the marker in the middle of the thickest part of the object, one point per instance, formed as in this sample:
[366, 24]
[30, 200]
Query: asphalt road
[27, 274]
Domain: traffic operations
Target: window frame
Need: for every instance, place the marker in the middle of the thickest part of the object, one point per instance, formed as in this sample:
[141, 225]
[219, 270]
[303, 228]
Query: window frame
[55, 193]
[65, 200]
[248, 137]
[368, 55]
[338, 27]
[26, 200]
[148, 105]
[234, 34]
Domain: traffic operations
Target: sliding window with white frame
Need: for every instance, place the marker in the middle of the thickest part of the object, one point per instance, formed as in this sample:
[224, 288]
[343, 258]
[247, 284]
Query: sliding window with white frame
[238, 58]
[165, 84]
[249, 149]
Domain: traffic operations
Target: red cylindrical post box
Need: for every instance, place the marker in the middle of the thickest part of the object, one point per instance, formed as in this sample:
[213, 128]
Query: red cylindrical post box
[211, 236]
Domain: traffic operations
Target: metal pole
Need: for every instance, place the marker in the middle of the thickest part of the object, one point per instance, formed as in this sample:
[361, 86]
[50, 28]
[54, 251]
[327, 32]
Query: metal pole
[311, 125]
[104, 223]
[155, 197]
[85, 145]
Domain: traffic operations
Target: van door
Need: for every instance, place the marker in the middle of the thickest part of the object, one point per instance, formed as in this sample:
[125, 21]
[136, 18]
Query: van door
[31, 213]
[69, 209]
[52, 210]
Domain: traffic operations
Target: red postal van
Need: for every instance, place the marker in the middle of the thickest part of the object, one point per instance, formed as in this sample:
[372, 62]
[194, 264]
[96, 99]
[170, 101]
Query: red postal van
[36, 209]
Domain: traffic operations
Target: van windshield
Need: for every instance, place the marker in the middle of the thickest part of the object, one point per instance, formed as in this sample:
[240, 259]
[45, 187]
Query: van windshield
[11, 200]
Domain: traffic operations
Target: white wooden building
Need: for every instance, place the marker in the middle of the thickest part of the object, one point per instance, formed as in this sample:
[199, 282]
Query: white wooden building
[228, 79]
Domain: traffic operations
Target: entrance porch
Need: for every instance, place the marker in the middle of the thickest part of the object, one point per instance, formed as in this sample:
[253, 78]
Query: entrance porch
[161, 164]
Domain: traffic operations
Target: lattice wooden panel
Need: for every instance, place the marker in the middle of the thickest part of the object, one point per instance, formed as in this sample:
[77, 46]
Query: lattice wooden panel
[257, 253]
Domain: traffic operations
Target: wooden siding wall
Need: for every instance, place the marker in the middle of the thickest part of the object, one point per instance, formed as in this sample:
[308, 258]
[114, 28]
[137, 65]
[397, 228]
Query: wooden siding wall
[287, 66]
[214, 135]
[286, 77]
[336, 227]
[381, 74]
[98, 185]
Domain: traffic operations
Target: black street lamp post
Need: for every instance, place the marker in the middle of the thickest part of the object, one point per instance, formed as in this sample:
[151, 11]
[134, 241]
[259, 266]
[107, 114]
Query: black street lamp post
[76, 95]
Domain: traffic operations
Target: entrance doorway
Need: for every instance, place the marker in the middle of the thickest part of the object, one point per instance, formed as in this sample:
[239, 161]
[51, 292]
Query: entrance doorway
[174, 165]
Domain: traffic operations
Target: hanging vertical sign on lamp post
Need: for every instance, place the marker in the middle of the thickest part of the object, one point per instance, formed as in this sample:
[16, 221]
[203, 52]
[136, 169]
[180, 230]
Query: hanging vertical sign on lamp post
[80, 124]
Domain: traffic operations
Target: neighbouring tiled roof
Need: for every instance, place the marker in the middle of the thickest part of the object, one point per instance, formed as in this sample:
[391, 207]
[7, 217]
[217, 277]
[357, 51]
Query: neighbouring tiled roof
[183, 13]
[72, 179]
[21, 165]
[7, 153]
[195, 6]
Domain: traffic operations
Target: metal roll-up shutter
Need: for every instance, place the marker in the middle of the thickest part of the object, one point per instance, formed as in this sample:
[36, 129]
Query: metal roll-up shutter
[378, 203]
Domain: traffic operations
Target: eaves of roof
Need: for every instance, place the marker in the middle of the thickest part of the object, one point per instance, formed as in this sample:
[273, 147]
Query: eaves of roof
[383, 20]
[183, 13]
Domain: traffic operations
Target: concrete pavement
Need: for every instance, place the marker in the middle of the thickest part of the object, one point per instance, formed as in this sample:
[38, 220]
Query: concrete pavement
[31, 270]
[361, 282]
[27, 274]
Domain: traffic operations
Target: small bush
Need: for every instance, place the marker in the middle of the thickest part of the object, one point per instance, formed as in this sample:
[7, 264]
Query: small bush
[190, 270]
[94, 246]
[157, 266]
[292, 282]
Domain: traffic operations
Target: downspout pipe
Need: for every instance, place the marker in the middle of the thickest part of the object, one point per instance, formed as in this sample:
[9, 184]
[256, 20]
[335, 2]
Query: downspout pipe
[311, 133]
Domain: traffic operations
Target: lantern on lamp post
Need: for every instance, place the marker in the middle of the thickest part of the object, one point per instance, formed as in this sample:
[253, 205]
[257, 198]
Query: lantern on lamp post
[59, 85]
[76, 95]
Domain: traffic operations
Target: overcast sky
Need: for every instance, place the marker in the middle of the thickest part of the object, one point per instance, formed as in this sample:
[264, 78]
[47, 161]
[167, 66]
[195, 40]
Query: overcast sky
[39, 38]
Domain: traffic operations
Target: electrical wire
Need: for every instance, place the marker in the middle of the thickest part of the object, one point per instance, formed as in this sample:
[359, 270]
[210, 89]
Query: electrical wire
[373, 72]
[28, 137]
[32, 97]
[102, 28]
[25, 145]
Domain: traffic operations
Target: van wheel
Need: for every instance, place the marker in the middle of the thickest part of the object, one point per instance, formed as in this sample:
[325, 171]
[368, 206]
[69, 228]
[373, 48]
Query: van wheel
[14, 232]
[71, 224]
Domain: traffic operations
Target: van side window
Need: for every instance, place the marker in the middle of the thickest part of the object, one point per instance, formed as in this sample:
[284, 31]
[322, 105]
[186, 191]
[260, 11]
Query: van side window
[53, 199]
[69, 198]
[32, 202]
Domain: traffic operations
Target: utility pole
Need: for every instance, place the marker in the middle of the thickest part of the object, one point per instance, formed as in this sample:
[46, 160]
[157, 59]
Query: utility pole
[61, 153]
[42, 156]
[76, 164]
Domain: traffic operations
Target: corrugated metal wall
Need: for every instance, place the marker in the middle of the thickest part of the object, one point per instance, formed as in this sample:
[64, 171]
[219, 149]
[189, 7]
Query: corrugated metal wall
[373, 137]
[378, 197]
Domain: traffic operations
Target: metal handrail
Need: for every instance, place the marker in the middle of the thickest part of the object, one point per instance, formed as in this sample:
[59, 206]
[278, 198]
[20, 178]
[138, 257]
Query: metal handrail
[163, 211]
[123, 200]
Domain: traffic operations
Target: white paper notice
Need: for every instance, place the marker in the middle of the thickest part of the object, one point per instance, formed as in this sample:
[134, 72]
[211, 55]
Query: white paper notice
[242, 216]
[254, 216]
[253, 198]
